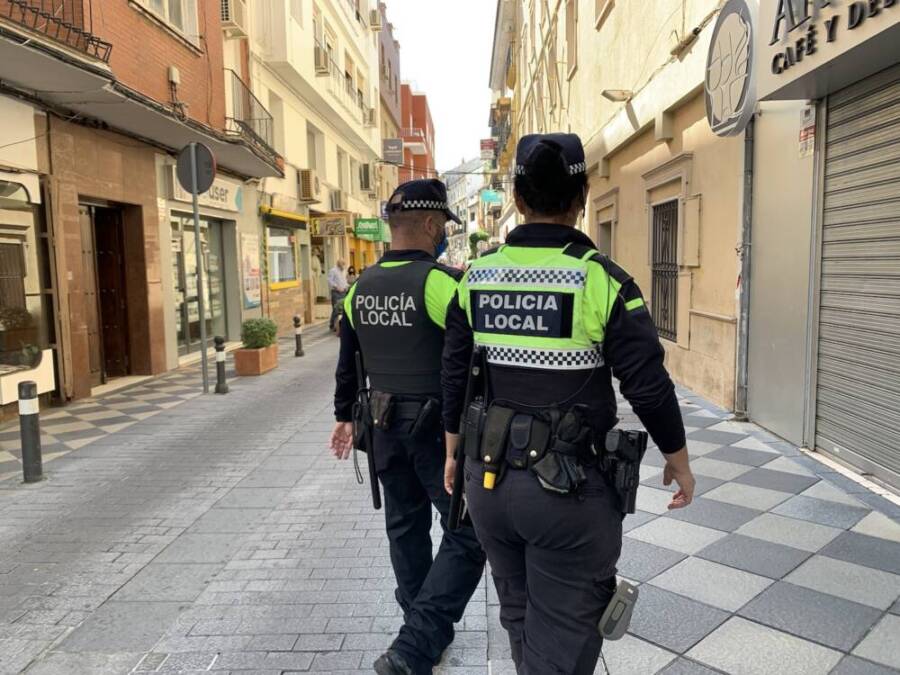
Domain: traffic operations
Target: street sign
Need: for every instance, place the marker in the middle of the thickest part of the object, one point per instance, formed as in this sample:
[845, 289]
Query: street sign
[487, 149]
[196, 171]
[331, 225]
[369, 228]
[206, 167]
[392, 150]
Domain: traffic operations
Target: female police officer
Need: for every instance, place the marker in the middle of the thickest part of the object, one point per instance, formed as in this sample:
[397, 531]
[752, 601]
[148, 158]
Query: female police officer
[554, 320]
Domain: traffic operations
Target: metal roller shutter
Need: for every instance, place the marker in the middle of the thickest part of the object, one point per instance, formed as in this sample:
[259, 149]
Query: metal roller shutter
[858, 383]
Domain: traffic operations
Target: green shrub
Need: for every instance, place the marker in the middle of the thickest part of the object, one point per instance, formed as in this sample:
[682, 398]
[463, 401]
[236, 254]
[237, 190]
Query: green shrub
[258, 333]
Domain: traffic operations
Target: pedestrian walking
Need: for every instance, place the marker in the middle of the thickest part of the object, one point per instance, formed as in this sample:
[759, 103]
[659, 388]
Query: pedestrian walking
[554, 320]
[337, 284]
[395, 317]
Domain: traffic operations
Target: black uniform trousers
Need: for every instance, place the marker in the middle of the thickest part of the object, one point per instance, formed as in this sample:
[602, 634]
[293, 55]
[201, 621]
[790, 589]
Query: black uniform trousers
[553, 559]
[433, 591]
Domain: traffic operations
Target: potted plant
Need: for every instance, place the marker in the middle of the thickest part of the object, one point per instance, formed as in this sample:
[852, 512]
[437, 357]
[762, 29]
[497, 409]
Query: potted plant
[259, 353]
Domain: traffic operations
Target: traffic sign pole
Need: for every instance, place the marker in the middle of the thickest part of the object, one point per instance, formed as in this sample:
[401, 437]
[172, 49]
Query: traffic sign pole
[198, 255]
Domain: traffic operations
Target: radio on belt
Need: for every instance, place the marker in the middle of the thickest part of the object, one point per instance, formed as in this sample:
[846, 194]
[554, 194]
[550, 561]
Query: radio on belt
[617, 617]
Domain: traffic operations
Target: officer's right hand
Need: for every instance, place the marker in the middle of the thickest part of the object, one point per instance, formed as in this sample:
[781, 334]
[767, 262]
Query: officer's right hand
[341, 442]
[678, 468]
[451, 440]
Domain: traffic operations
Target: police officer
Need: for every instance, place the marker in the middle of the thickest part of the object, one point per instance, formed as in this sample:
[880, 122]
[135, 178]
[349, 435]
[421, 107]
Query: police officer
[555, 319]
[395, 314]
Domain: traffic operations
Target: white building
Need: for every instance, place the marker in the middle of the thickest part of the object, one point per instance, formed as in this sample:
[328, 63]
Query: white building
[464, 185]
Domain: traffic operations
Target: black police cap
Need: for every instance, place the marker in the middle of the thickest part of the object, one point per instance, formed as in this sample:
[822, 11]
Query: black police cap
[421, 195]
[569, 144]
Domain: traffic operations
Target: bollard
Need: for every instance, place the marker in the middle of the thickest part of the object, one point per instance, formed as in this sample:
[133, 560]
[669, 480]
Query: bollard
[30, 431]
[221, 386]
[298, 336]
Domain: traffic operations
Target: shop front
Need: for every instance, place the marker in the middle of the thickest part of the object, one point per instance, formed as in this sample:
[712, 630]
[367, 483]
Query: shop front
[843, 172]
[288, 266]
[329, 241]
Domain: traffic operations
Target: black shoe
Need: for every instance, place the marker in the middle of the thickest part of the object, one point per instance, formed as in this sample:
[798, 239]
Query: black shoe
[391, 663]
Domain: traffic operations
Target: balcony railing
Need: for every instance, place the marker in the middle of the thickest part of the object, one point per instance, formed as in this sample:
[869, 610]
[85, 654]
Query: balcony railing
[68, 22]
[344, 90]
[412, 132]
[249, 115]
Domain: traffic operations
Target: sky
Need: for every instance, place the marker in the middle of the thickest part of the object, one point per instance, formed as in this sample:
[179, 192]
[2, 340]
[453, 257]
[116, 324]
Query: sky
[445, 51]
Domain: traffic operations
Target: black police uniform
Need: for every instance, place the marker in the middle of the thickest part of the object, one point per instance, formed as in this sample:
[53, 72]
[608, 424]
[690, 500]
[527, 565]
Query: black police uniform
[553, 555]
[393, 316]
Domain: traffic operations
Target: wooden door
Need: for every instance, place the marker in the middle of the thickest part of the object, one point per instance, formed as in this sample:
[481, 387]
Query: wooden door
[89, 286]
[110, 250]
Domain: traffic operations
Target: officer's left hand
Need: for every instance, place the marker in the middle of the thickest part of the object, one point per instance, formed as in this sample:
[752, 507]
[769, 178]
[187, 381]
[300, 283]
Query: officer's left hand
[341, 442]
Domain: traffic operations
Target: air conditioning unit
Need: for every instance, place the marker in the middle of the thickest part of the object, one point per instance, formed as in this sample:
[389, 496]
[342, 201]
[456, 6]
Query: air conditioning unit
[307, 186]
[323, 67]
[369, 117]
[234, 17]
[375, 20]
[338, 200]
[367, 177]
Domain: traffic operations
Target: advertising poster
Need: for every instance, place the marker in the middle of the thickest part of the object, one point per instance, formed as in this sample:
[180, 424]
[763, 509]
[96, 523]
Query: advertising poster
[250, 269]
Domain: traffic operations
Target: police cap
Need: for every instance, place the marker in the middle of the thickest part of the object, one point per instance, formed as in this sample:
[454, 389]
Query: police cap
[421, 195]
[569, 146]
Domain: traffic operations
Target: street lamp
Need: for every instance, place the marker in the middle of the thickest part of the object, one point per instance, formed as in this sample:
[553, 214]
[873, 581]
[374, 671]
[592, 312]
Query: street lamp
[617, 95]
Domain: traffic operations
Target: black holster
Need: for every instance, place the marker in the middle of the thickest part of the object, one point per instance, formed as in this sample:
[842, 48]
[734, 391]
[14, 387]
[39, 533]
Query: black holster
[621, 460]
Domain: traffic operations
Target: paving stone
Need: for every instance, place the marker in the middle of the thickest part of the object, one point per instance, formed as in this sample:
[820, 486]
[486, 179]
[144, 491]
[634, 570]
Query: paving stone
[703, 484]
[714, 468]
[633, 655]
[825, 490]
[712, 583]
[683, 666]
[858, 548]
[821, 511]
[201, 548]
[851, 665]
[743, 455]
[714, 514]
[878, 525]
[761, 499]
[672, 621]
[754, 555]
[777, 480]
[819, 617]
[337, 661]
[789, 532]
[652, 500]
[122, 627]
[847, 580]
[636, 519]
[235, 521]
[741, 646]
[270, 479]
[159, 581]
[881, 645]
[721, 437]
[58, 663]
[641, 561]
[319, 643]
[676, 535]
[788, 465]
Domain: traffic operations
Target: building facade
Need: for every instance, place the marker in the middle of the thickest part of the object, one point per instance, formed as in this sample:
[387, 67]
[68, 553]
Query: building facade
[665, 192]
[107, 188]
[391, 115]
[417, 132]
[464, 184]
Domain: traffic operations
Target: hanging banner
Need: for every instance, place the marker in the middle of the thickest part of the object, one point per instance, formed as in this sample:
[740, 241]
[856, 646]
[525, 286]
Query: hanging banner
[250, 270]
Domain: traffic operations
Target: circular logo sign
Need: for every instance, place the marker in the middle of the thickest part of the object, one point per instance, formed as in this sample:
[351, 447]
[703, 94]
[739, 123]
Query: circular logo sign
[730, 83]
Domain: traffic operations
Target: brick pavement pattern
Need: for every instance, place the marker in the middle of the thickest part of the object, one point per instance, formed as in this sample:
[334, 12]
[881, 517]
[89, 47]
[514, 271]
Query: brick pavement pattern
[219, 535]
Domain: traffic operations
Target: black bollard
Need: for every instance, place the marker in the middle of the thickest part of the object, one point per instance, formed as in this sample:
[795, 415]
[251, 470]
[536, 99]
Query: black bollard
[221, 386]
[298, 336]
[30, 431]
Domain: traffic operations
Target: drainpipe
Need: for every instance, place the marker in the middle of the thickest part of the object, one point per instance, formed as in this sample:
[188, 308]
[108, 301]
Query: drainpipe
[743, 344]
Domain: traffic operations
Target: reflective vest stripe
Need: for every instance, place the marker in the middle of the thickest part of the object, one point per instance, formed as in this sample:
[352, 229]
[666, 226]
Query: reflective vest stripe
[562, 359]
[524, 276]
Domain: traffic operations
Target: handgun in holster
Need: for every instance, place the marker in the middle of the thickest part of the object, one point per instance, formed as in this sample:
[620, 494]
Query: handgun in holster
[470, 436]
[560, 470]
[624, 451]
[363, 430]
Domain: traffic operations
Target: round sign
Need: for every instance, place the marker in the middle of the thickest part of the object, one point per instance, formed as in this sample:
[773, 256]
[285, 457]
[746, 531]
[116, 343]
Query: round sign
[206, 167]
[730, 83]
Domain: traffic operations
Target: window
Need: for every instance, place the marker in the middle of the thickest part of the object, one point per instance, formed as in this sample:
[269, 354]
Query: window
[604, 238]
[572, 36]
[342, 169]
[354, 176]
[664, 268]
[12, 277]
[178, 14]
[282, 248]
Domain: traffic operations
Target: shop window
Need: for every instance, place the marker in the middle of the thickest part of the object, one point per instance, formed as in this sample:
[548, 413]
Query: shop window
[281, 244]
[664, 269]
[181, 15]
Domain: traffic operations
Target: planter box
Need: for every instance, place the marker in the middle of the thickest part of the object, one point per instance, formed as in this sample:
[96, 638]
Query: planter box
[256, 361]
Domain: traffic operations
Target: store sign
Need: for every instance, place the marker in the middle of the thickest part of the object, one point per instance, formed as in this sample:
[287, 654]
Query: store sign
[331, 225]
[250, 270]
[487, 149]
[371, 229]
[491, 197]
[801, 37]
[223, 194]
[730, 83]
[392, 150]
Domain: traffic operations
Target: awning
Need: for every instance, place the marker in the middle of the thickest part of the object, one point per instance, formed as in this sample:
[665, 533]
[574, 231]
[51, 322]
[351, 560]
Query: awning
[64, 80]
[286, 218]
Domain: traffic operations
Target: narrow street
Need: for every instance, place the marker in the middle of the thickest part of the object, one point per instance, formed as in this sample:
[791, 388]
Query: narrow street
[219, 535]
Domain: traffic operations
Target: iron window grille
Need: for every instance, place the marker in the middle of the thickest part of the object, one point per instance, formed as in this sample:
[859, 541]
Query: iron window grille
[664, 269]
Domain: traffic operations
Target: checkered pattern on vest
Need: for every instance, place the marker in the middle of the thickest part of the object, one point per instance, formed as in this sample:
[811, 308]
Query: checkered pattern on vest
[562, 359]
[524, 276]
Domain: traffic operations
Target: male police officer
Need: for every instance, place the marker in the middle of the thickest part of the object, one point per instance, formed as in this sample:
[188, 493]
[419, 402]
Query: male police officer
[554, 318]
[395, 316]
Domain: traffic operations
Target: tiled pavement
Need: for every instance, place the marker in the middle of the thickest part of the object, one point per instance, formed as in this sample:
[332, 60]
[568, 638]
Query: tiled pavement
[68, 428]
[218, 535]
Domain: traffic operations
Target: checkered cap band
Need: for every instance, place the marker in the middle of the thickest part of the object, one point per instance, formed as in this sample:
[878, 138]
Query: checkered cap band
[424, 204]
[574, 169]
[524, 276]
[557, 359]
